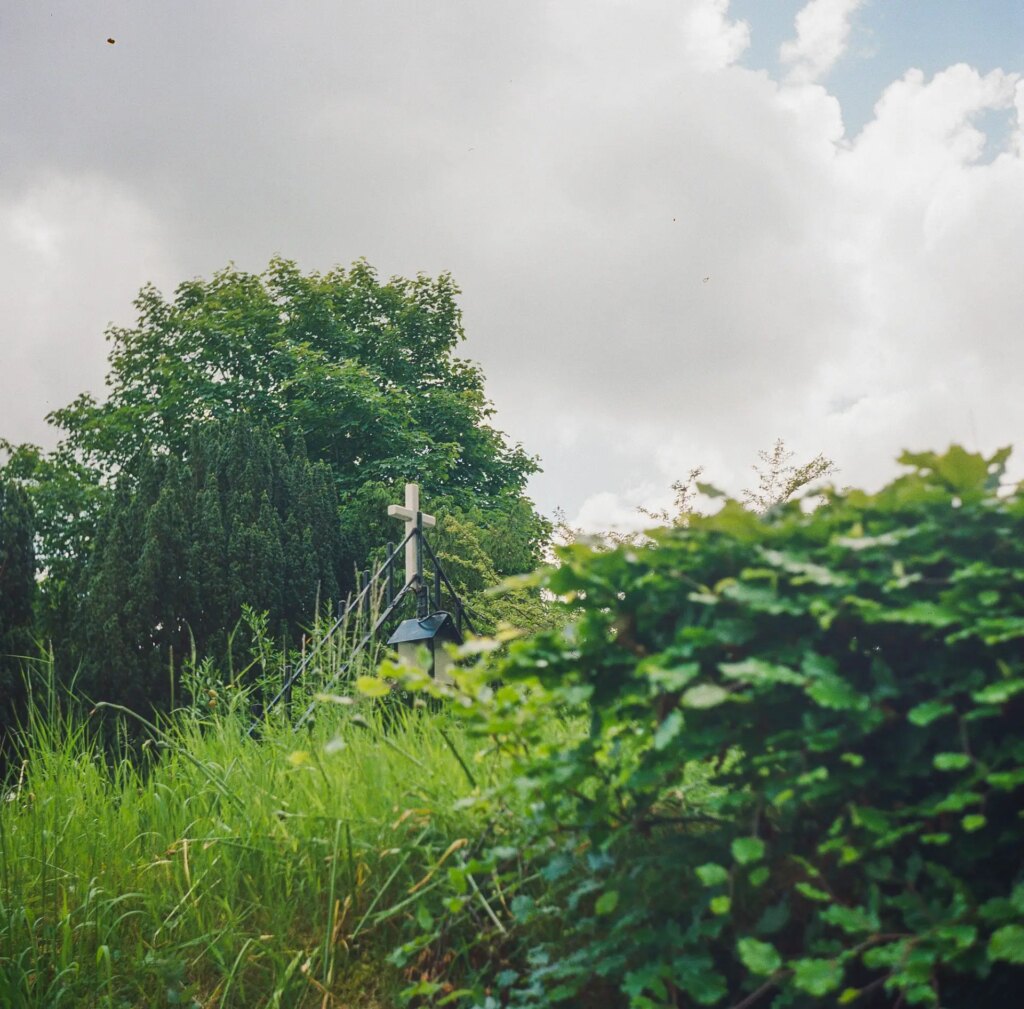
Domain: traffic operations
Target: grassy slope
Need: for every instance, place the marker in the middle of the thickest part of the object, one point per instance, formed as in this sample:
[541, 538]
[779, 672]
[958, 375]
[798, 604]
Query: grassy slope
[224, 870]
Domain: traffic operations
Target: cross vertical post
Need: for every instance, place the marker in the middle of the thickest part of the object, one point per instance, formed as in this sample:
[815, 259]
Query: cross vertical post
[415, 521]
[422, 593]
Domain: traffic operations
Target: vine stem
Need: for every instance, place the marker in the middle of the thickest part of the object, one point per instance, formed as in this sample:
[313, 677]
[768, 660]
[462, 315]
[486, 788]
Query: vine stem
[763, 990]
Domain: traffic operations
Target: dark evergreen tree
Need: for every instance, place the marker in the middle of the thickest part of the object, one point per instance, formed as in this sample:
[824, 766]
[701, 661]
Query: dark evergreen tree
[17, 591]
[239, 520]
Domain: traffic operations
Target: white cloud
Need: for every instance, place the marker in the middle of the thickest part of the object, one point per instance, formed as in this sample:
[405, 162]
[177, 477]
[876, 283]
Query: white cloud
[713, 41]
[73, 253]
[668, 259]
[822, 30]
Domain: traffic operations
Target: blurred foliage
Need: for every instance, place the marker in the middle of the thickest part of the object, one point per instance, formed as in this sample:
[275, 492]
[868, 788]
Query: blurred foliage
[802, 779]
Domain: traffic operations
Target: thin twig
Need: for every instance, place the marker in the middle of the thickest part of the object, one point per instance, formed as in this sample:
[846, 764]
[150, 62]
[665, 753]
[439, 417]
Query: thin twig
[771, 983]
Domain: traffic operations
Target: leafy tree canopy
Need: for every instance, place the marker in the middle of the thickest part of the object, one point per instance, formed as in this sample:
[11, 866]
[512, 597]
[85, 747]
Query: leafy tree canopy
[364, 370]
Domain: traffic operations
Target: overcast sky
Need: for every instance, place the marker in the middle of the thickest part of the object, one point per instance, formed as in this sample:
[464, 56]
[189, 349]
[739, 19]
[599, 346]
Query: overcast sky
[682, 227]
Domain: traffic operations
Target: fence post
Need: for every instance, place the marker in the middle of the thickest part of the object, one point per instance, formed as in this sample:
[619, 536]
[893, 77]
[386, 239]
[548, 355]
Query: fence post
[422, 601]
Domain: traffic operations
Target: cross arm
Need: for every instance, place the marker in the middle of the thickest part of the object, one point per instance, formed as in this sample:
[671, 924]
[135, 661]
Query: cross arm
[408, 515]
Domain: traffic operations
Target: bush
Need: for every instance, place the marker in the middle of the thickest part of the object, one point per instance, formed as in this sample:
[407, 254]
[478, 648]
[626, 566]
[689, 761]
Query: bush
[803, 774]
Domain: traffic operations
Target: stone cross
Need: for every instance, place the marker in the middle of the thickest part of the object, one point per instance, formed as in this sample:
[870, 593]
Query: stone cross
[407, 514]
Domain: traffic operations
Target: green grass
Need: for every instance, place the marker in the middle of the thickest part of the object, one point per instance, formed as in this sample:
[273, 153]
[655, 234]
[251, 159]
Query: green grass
[221, 870]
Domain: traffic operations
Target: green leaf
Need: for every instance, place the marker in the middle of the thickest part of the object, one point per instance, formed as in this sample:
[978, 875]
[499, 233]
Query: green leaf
[920, 994]
[1007, 944]
[973, 822]
[999, 693]
[774, 917]
[747, 849]
[962, 936]
[674, 678]
[852, 920]
[963, 471]
[695, 974]
[712, 874]
[998, 909]
[720, 905]
[1017, 898]
[607, 902]
[813, 893]
[505, 978]
[759, 876]
[759, 957]
[732, 520]
[709, 490]
[668, 730]
[927, 614]
[424, 918]
[817, 977]
[759, 671]
[951, 761]
[705, 695]
[835, 693]
[926, 713]
[956, 801]
[372, 686]
[1006, 780]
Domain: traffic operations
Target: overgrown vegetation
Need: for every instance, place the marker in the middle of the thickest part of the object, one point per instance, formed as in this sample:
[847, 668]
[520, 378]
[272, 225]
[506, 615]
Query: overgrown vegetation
[803, 774]
[212, 868]
[766, 756]
[763, 760]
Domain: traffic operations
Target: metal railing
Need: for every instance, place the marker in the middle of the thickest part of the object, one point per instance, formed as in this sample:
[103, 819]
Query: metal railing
[427, 593]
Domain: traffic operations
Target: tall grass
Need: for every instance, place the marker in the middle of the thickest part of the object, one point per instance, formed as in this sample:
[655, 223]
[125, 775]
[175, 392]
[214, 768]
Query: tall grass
[212, 868]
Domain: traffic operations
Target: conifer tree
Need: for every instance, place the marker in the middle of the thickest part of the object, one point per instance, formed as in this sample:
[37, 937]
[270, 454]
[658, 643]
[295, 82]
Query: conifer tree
[17, 589]
[238, 521]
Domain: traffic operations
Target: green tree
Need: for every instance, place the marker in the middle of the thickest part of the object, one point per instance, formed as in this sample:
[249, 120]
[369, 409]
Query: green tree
[67, 499]
[17, 588]
[152, 530]
[365, 370]
[238, 520]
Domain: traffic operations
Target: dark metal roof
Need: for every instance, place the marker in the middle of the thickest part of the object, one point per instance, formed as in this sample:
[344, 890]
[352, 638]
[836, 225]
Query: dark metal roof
[437, 625]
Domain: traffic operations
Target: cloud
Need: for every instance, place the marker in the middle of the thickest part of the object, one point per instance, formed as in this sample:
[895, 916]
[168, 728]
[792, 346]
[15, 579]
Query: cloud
[73, 253]
[713, 40]
[822, 30]
[667, 258]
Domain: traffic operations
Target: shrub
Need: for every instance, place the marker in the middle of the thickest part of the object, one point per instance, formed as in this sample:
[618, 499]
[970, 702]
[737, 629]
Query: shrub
[802, 779]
